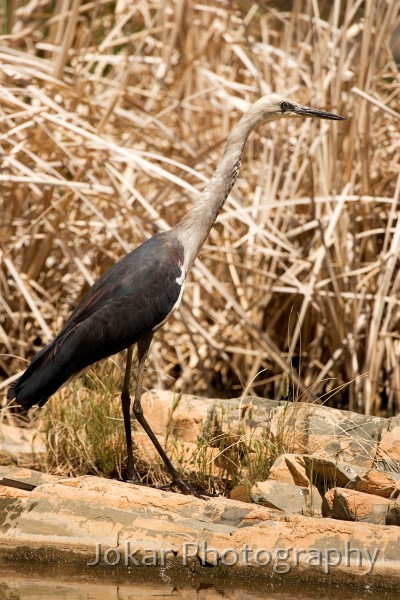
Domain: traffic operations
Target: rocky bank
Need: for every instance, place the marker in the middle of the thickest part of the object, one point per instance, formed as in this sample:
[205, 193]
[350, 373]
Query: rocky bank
[328, 512]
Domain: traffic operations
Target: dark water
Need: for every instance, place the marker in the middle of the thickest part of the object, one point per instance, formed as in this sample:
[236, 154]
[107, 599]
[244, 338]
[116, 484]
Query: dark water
[61, 583]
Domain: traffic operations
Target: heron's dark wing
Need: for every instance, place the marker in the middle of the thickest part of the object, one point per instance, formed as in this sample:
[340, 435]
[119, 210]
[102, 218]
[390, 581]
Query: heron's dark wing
[159, 259]
[132, 298]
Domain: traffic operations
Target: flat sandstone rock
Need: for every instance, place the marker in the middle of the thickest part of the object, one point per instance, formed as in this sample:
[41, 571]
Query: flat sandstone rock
[95, 523]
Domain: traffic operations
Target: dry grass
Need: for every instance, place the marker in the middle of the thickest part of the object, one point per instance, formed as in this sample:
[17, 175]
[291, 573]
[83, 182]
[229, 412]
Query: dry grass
[85, 435]
[113, 116]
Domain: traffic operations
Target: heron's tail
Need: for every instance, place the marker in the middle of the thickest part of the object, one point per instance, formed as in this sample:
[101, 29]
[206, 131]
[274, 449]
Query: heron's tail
[40, 380]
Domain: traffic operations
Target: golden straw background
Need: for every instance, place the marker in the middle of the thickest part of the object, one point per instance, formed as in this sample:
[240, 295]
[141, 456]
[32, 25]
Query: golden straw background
[113, 116]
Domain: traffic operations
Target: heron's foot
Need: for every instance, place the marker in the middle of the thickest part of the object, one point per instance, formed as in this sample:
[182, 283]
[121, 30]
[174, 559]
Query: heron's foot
[134, 479]
[186, 489]
[166, 487]
[132, 476]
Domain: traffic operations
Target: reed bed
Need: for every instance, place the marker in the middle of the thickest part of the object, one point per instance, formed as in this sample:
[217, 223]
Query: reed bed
[113, 116]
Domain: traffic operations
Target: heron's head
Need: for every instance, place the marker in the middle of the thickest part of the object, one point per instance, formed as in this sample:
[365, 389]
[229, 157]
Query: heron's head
[274, 106]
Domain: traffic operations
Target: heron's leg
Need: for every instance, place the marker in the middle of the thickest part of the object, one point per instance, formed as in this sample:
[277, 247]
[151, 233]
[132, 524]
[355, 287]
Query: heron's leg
[143, 349]
[126, 411]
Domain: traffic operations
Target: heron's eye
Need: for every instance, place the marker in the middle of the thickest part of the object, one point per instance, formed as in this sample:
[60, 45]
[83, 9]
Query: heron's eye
[284, 106]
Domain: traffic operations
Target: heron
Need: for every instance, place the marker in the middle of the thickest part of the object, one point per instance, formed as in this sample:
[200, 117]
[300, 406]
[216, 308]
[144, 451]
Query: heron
[136, 296]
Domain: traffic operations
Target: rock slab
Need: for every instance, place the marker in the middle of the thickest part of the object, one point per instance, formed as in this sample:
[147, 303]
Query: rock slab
[93, 522]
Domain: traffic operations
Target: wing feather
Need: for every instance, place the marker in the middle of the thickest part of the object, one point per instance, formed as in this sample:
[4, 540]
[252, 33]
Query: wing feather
[133, 297]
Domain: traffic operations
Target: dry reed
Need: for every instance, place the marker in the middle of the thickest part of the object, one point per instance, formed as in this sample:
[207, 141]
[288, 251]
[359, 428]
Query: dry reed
[113, 116]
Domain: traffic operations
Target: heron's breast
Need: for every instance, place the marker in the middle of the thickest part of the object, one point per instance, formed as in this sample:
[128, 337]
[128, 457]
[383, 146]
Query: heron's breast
[180, 281]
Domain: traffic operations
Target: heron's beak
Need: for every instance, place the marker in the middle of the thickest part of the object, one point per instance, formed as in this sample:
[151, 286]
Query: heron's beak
[306, 111]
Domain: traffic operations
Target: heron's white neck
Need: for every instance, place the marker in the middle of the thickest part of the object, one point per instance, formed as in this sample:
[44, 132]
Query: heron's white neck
[193, 229]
